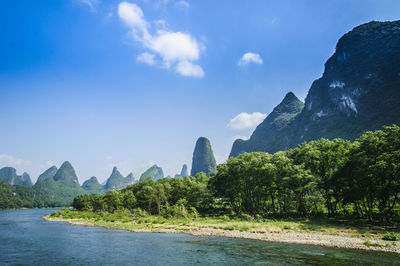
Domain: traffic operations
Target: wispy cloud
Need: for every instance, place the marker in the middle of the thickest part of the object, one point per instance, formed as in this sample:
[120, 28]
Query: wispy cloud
[239, 137]
[173, 50]
[146, 58]
[245, 120]
[248, 58]
[183, 4]
[92, 4]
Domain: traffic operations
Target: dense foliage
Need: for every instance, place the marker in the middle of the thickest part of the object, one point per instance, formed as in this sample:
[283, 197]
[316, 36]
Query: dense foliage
[168, 197]
[325, 177]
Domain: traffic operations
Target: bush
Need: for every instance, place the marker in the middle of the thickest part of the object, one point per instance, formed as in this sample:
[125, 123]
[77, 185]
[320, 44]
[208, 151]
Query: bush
[391, 236]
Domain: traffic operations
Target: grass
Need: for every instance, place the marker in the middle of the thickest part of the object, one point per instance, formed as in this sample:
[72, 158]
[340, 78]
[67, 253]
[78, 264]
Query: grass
[126, 220]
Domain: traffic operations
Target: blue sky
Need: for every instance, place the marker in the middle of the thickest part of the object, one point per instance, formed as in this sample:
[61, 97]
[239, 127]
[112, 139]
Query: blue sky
[103, 83]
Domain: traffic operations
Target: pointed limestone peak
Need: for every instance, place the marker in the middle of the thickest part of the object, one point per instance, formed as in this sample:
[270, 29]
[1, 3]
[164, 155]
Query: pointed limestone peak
[115, 181]
[184, 171]
[49, 173]
[153, 173]
[66, 174]
[93, 186]
[203, 158]
[290, 104]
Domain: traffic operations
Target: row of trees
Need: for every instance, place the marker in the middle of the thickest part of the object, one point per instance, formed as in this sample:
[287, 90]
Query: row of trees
[168, 197]
[325, 177]
[332, 177]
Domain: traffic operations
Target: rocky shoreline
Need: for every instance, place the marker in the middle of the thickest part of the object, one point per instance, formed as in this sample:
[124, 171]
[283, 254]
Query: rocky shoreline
[292, 237]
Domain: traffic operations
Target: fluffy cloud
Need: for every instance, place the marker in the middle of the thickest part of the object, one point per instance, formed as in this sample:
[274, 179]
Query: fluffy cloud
[248, 58]
[172, 50]
[246, 120]
[186, 68]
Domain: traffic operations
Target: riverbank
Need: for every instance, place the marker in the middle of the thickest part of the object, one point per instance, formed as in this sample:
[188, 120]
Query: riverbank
[296, 232]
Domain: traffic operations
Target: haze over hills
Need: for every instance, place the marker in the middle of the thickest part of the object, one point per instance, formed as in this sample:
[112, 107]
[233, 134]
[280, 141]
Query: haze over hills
[358, 91]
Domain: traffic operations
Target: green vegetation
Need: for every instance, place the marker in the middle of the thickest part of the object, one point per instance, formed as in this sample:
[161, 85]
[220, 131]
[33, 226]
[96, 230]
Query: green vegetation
[326, 178]
[392, 236]
[54, 188]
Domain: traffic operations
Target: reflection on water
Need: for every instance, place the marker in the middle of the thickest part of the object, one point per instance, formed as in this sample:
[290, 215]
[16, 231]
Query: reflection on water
[25, 238]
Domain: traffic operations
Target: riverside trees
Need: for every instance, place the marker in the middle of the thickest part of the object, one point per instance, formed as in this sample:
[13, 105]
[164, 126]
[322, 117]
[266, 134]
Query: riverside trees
[325, 177]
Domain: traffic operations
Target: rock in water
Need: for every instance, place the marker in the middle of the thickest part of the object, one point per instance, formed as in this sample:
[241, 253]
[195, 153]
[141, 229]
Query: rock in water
[153, 173]
[203, 158]
[358, 91]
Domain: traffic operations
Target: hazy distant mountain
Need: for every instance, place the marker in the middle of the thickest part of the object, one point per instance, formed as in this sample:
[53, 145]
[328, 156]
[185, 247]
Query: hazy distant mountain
[153, 173]
[60, 189]
[116, 181]
[203, 158]
[184, 171]
[9, 175]
[358, 91]
[92, 185]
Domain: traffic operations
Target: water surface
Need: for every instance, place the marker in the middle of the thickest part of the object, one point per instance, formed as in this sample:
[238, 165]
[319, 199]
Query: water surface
[25, 238]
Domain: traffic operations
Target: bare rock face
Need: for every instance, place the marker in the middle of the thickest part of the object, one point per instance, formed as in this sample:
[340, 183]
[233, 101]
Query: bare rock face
[358, 91]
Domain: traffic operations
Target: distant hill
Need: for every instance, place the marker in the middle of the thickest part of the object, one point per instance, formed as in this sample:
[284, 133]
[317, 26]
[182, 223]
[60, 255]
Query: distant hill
[358, 91]
[93, 186]
[153, 173]
[116, 181]
[60, 189]
[184, 171]
[9, 175]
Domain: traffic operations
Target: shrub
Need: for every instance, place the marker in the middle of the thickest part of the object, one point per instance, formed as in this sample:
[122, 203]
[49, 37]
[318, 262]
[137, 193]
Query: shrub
[391, 236]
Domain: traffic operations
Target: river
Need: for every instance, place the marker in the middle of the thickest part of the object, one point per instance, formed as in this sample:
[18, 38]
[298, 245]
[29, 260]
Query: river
[26, 238]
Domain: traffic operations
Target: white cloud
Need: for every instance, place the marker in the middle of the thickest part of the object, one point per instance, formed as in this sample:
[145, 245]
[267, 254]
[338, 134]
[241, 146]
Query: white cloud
[186, 68]
[146, 58]
[246, 120]
[183, 4]
[8, 160]
[92, 4]
[239, 137]
[248, 58]
[176, 50]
